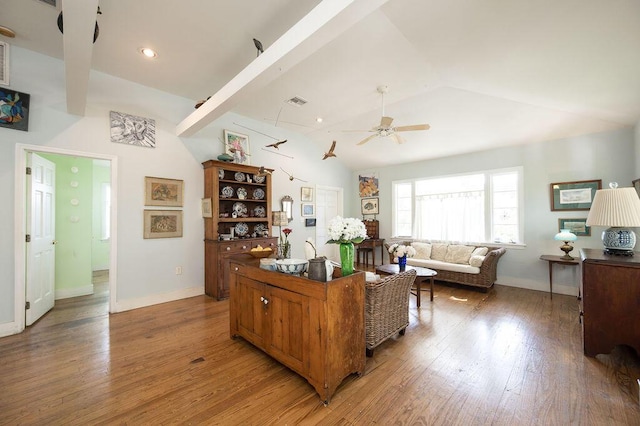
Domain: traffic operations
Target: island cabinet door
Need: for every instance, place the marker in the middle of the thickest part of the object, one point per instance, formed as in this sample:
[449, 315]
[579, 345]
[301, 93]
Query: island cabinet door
[249, 310]
[288, 329]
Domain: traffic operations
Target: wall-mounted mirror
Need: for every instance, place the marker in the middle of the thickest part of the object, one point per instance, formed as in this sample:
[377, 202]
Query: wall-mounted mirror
[287, 206]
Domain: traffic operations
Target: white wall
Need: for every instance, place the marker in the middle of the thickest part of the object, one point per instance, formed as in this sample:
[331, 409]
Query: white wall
[608, 156]
[146, 268]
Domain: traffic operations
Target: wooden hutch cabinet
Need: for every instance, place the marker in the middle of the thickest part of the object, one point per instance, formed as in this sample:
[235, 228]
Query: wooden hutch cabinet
[609, 301]
[240, 205]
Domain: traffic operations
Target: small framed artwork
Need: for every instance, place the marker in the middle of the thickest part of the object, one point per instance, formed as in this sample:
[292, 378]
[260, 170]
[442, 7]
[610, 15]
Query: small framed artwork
[162, 223]
[237, 146]
[576, 226]
[4, 64]
[368, 186]
[573, 195]
[14, 113]
[206, 207]
[308, 209]
[306, 194]
[310, 222]
[132, 130]
[369, 205]
[163, 192]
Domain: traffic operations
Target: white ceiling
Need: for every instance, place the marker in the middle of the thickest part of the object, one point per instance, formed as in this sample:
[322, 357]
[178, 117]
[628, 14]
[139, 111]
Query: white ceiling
[482, 73]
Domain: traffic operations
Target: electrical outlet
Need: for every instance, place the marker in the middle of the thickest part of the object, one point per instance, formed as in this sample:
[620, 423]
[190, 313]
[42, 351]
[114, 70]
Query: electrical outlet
[178, 270]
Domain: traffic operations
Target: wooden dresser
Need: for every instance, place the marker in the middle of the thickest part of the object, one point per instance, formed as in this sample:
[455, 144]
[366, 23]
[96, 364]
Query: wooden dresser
[609, 301]
[314, 328]
[240, 203]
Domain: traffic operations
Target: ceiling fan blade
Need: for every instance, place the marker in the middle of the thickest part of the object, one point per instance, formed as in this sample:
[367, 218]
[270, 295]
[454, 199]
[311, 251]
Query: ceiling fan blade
[413, 127]
[367, 139]
[358, 131]
[397, 138]
[386, 122]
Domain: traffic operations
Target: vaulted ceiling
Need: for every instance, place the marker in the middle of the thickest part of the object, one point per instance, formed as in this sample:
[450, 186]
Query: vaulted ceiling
[483, 74]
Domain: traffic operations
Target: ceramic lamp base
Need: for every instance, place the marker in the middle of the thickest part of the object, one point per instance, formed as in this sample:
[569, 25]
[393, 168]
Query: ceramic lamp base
[619, 240]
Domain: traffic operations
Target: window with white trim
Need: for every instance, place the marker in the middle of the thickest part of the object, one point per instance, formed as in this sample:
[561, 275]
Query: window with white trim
[485, 206]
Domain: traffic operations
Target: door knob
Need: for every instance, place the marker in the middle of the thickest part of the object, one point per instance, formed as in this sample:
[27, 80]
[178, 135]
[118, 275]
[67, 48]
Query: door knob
[54, 242]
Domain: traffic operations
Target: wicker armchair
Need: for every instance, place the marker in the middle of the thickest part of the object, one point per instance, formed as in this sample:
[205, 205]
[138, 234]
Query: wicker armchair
[387, 308]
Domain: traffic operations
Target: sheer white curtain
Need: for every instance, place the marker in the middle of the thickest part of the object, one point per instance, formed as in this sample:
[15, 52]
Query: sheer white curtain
[455, 216]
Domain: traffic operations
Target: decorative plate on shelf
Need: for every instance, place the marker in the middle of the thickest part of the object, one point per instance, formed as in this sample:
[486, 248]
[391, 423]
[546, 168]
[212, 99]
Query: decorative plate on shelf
[241, 229]
[220, 173]
[258, 194]
[259, 179]
[260, 228]
[242, 193]
[227, 192]
[259, 211]
[239, 176]
[240, 209]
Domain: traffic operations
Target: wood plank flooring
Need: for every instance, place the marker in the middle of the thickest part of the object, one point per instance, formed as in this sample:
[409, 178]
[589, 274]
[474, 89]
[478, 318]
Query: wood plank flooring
[507, 357]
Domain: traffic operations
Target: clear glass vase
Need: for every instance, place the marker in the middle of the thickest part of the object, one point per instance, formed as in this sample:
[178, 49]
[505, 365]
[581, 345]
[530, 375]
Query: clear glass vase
[285, 250]
[346, 258]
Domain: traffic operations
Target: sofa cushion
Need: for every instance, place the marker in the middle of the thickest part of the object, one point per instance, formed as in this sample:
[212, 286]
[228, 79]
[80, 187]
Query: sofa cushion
[457, 253]
[476, 260]
[443, 266]
[439, 251]
[423, 250]
[480, 251]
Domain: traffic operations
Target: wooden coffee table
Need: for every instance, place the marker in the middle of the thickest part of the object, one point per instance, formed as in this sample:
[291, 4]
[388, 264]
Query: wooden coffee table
[422, 274]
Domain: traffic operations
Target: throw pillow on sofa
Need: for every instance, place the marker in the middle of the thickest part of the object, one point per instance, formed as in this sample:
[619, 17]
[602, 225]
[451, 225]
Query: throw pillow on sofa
[439, 251]
[480, 251]
[476, 260]
[423, 250]
[458, 254]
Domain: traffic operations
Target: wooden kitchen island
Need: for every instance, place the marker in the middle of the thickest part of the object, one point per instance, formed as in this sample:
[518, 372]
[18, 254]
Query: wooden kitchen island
[314, 328]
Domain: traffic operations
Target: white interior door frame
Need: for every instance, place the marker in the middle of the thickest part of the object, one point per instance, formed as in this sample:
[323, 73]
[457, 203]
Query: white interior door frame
[331, 250]
[21, 227]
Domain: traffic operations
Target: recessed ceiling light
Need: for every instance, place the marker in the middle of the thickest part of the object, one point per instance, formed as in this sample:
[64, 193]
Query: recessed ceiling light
[148, 52]
[319, 120]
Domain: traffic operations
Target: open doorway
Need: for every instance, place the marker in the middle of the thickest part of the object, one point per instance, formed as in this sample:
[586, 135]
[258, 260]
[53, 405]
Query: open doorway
[85, 226]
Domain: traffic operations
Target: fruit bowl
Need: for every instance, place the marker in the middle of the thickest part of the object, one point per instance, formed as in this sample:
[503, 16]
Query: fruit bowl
[259, 254]
[292, 266]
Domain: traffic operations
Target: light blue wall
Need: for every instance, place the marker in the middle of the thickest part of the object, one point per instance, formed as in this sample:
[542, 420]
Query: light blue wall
[608, 156]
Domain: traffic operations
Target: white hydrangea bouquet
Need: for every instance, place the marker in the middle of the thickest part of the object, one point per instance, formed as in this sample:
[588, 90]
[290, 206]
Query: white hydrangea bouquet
[346, 232]
[400, 250]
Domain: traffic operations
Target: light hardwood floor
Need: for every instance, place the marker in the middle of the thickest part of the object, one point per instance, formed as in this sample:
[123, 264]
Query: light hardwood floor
[507, 357]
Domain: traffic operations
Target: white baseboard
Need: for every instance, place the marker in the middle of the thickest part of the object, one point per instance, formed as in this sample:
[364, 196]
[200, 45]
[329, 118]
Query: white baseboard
[65, 293]
[9, 328]
[127, 305]
[539, 286]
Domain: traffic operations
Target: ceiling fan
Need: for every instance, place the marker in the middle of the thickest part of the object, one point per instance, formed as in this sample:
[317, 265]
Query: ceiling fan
[385, 128]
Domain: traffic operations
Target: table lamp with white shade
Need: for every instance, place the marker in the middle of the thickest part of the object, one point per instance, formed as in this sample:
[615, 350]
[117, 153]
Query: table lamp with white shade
[566, 236]
[618, 209]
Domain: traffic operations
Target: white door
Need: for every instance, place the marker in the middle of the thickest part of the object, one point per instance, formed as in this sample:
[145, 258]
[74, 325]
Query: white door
[40, 274]
[328, 206]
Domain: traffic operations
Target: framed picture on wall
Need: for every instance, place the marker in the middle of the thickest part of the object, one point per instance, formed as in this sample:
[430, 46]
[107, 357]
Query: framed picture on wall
[576, 226]
[369, 205]
[162, 223]
[163, 192]
[308, 210]
[306, 194]
[576, 195]
[237, 146]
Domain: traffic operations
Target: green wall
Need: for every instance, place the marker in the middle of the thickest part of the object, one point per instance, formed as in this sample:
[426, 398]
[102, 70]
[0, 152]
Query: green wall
[74, 198]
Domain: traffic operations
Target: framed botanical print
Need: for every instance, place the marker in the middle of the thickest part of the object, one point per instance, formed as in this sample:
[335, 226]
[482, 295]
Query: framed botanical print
[308, 210]
[306, 194]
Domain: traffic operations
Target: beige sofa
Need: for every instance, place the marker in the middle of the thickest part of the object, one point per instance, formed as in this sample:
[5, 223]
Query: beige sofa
[463, 264]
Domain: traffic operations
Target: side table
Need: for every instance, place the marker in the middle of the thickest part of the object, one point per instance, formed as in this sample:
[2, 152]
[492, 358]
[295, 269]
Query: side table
[422, 274]
[559, 260]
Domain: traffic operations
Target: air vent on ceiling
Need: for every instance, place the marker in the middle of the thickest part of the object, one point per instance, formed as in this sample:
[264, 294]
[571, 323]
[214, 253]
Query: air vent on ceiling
[297, 101]
[50, 2]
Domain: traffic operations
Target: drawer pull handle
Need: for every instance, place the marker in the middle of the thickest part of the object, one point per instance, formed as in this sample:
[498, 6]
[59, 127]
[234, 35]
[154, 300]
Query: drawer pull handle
[266, 301]
[244, 247]
[228, 248]
[262, 298]
[236, 268]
